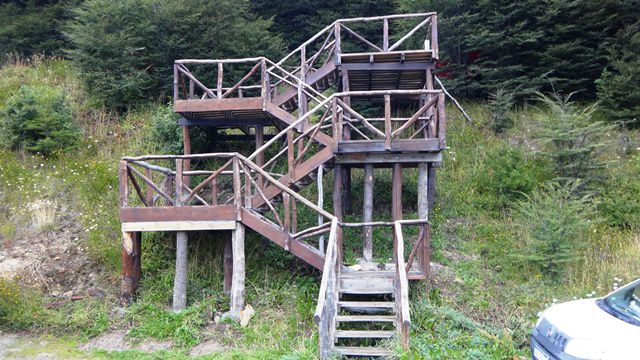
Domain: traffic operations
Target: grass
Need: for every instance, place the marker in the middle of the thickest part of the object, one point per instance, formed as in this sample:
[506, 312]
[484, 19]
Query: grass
[483, 309]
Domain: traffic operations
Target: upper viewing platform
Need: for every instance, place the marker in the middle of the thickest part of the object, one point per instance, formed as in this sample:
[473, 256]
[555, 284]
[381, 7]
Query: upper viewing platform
[359, 54]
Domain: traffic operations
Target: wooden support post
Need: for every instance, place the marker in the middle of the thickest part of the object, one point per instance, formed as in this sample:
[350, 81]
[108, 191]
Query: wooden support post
[131, 266]
[187, 151]
[238, 281]
[396, 197]
[227, 256]
[385, 35]
[260, 156]
[423, 213]
[387, 122]
[367, 209]
[346, 135]
[320, 205]
[180, 279]
[219, 82]
[337, 207]
[431, 185]
[149, 189]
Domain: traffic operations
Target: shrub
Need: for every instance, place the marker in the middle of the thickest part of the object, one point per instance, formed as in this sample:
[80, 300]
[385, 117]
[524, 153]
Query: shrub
[126, 49]
[552, 225]
[573, 140]
[506, 175]
[501, 103]
[166, 134]
[620, 200]
[38, 119]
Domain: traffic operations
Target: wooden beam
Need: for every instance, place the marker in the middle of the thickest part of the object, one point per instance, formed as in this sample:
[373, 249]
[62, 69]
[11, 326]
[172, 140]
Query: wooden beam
[367, 209]
[178, 225]
[399, 145]
[131, 266]
[238, 281]
[377, 159]
[227, 258]
[174, 213]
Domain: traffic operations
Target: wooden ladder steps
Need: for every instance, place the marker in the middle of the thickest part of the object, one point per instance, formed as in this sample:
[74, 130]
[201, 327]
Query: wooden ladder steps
[365, 318]
[362, 351]
[366, 304]
[365, 334]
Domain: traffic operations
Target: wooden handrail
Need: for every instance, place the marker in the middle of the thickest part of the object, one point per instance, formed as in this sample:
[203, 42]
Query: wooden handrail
[328, 272]
[403, 285]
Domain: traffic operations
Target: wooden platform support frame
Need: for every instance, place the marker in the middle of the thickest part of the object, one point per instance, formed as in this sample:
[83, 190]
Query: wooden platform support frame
[180, 279]
[238, 280]
[131, 266]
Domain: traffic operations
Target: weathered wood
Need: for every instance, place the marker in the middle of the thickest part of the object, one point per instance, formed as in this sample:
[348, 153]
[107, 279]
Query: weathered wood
[402, 295]
[177, 225]
[238, 280]
[400, 145]
[227, 258]
[431, 188]
[434, 36]
[149, 189]
[367, 209]
[387, 122]
[441, 122]
[259, 157]
[186, 213]
[386, 159]
[219, 81]
[148, 182]
[337, 206]
[131, 266]
[187, 151]
[320, 205]
[180, 279]
[410, 33]
[134, 182]
[385, 35]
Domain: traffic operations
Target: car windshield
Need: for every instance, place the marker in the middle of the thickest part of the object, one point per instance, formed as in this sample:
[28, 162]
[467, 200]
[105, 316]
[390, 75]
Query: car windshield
[626, 302]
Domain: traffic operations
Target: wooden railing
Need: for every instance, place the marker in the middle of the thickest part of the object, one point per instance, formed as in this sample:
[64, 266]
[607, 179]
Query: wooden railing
[231, 78]
[327, 306]
[402, 288]
[427, 122]
[417, 31]
[236, 183]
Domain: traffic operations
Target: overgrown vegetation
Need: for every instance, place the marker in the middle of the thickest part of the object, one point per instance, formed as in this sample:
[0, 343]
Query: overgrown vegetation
[39, 120]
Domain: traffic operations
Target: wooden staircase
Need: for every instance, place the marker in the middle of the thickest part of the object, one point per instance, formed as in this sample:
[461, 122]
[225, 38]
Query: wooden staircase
[307, 97]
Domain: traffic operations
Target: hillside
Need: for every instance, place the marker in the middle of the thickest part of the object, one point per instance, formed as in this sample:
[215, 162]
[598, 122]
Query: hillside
[59, 257]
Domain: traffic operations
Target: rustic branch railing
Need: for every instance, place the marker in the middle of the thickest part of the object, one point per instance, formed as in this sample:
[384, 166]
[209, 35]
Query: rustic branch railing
[327, 306]
[254, 82]
[239, 177]
[402, 288]
[427, 122]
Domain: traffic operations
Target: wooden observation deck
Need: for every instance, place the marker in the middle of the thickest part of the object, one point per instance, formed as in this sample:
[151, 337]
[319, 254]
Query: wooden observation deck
[340, 100]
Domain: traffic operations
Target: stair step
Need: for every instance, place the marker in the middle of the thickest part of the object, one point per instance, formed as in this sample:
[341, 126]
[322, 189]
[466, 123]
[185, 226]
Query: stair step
[362, 351]
[365, 334]
[366, 284]
[365, 318]
[367, 304]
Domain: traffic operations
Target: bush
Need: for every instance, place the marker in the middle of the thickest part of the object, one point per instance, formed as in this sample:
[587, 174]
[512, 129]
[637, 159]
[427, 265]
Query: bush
[38, 119]
[166, 134]
[620, 200]
[507, 175]
[573, 140]
[126, 49]
[552, 225]
[501, 102]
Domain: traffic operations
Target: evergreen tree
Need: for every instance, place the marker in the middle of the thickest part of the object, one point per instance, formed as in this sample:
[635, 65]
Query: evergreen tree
[126, 49]
[618, 86]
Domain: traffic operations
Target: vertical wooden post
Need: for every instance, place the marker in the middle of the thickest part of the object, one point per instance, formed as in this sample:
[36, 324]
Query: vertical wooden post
[396, 198]
[219, 82]
[192, 89]
[180, 279]
[237, 193]
[227, 258]
[320, 205]
[367, 209]
[385, 35]
[338, 49]
[286, 202]
[434, 36]
[346, 135]
[265, 85]
[337, 207]
[423, 212]
[387, 122]
[238, 281]
[123, 182]
[431, 188]
[187, 151]
[260, 156]
[131, 266]
[175, 82]
[442, 123]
